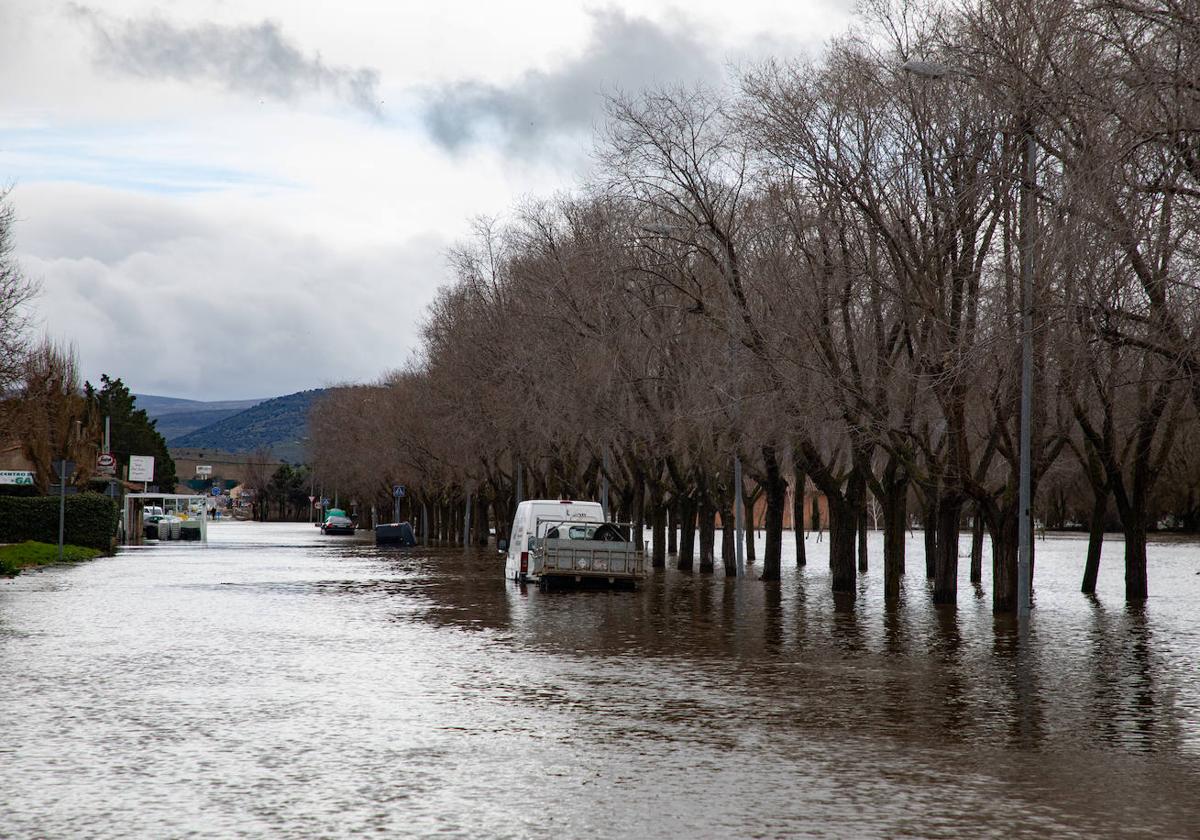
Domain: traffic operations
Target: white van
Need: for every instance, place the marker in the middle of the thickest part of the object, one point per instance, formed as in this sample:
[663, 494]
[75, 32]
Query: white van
[569, 541]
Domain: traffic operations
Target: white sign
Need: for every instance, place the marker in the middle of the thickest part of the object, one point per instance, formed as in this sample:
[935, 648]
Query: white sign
[141, 467]
[204, 470]
[15, 477]
[106, 463]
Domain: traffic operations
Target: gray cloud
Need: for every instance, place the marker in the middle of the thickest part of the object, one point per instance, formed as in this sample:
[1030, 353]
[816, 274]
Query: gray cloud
[623, 53]
[183, 303]
[255, 59]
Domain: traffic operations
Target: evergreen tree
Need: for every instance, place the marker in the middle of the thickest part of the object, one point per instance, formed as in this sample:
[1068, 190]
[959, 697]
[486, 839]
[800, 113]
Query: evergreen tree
[132, 431]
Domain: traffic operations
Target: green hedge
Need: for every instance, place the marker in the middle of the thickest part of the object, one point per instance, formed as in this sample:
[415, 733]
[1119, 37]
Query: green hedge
[91, 520]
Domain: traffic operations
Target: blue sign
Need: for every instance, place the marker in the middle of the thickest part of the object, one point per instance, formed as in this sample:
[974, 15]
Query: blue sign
[325, 503]
[216, 491]
[398, 491]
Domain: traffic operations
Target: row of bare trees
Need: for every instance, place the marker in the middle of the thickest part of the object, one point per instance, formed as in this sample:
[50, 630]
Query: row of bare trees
[818, 270]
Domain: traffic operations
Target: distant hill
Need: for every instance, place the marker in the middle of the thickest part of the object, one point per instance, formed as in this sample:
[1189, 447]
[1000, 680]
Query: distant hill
[280, 424]
[176, 417]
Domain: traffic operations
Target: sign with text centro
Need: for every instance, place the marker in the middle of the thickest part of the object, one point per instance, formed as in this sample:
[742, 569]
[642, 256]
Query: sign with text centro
[141, 467]
[16, 477]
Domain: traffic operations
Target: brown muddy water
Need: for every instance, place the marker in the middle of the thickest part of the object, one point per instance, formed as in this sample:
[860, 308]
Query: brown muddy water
[280, 683]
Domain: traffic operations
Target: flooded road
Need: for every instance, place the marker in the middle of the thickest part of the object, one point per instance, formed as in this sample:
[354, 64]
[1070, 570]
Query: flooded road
[287, 684]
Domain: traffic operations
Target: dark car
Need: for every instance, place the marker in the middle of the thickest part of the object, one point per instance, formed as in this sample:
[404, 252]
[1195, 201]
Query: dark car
[337, 525]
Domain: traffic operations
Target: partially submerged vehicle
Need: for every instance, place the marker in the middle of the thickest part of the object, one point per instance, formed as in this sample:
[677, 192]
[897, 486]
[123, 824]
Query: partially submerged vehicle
[337, 522]
[568, 542]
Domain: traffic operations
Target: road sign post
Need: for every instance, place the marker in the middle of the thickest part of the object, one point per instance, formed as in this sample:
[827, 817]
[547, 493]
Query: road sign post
[65, 470]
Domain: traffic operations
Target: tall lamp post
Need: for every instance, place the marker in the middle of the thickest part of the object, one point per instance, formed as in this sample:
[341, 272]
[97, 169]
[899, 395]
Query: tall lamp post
[934, 70]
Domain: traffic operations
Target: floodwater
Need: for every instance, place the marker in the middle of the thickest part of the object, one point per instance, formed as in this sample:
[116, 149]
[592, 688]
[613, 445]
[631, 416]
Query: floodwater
[280, 683]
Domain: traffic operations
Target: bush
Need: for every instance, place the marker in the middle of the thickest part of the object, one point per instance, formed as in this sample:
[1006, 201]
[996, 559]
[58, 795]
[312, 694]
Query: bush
[13, 558]
[91, 520]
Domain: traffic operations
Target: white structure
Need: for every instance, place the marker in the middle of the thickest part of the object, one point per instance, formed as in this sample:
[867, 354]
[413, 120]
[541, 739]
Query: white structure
[180, 504]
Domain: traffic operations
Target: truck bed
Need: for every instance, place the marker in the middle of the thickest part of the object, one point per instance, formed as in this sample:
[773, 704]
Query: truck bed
[597, 560]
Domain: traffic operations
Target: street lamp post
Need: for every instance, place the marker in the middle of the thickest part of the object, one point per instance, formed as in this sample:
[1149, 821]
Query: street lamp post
[935, 70]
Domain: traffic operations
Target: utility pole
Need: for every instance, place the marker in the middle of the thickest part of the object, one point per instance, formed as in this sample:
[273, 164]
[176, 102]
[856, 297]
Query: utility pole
[1025, 500]
[604, 486]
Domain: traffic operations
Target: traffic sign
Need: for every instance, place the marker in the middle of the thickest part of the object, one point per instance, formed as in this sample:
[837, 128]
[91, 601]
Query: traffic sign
[398, 491]
[216, 491]
[106, 463]
[312, 499]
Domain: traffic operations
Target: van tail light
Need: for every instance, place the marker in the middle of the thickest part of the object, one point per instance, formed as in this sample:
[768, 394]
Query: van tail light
[524, 562]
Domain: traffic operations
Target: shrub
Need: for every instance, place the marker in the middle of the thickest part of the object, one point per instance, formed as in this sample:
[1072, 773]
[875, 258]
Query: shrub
[91, 520]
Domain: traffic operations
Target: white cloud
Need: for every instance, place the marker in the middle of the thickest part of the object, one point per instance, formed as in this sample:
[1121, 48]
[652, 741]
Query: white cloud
[177, 302]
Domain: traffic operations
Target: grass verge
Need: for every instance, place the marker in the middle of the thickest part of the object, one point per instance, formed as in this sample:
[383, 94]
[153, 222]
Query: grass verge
[25, 555]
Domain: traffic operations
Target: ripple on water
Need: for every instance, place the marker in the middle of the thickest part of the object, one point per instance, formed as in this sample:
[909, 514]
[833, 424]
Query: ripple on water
[282, 683]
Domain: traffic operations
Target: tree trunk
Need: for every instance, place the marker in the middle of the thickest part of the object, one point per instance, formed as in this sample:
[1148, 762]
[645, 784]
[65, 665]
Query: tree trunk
[798, 515]
[728, 542]
[977, 547]
[895, 520]
[776, 491]
[687, 533]
[658, 520]
[1136, 586]
[843, 526]
[639, 512]
[708, 535]
[1004, 560]
[673, 526]
[929, 515]
[748, 501]
[862, 538]
[945, 580]
[1091, 568]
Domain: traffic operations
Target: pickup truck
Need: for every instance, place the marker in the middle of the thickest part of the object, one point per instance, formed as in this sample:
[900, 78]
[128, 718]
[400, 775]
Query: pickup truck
[567, 542]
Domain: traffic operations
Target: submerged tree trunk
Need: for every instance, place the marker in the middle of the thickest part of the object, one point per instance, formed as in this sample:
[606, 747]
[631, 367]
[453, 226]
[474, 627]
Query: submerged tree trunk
[843, 526]
[945, 580]
[776, 492]
[977, 547]
[1091, 568]
[929, 516]
[673, 526]
[895, 520]
[1004, 560]
[639, 510]
[708, 534]
[862, 539]
[1136, 585]
[748, 502]
[798, 515]
[728, 543]
[687, 533]
[658, 534]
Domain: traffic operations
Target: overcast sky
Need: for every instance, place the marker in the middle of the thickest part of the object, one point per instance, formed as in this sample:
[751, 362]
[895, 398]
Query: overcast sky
[230, 200]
